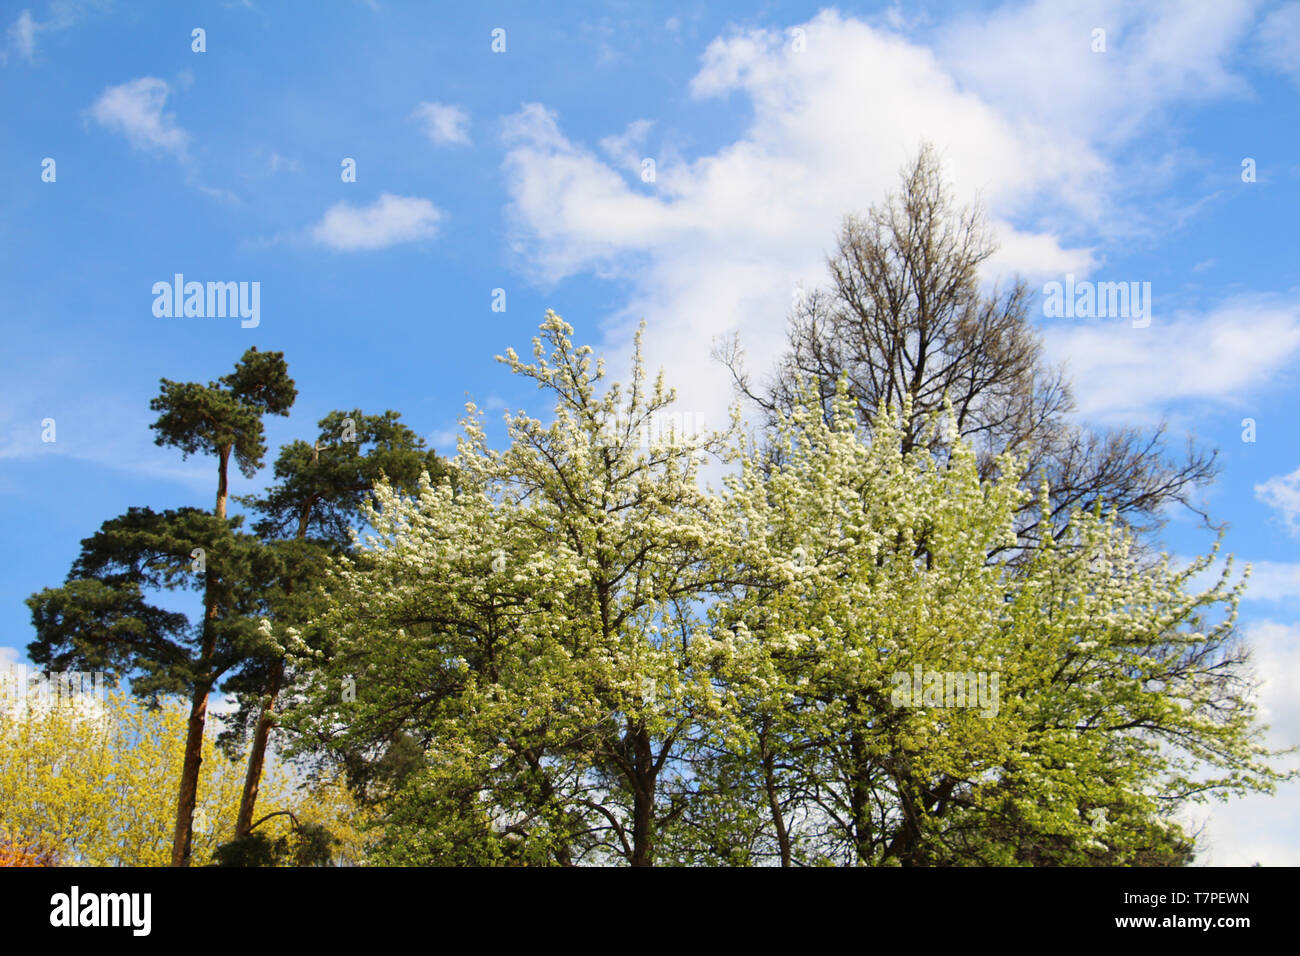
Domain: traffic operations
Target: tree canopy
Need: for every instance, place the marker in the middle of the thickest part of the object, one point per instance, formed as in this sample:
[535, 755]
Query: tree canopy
[580, 655]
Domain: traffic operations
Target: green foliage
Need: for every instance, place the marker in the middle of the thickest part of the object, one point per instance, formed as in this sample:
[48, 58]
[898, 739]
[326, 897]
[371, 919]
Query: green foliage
[309, 514]
[580, 656]
[85, 624]
[1121, 694]
[529, 630]
[102, 619]
[309, 844]
[568, 651]
[226, 414]
[320, 489]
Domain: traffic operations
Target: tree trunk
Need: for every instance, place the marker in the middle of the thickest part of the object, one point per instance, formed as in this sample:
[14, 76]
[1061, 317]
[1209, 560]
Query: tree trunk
[643, 799]
[257, 753]
[265, 721]
[189, 789]
[860, 800]
[187, 796]
[774, 805]
[223, 484]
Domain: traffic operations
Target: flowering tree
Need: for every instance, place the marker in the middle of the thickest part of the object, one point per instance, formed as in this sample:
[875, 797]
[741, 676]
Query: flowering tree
[307, 513]
[1095, 695]
[20, 851]
[527, 635]
[577, 655]
[95, 781]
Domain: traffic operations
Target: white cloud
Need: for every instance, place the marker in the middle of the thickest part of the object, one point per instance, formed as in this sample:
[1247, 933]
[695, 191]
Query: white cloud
[1036, 60]
[1283, 494]
[443, 124]
[1121, 373]
[22, 35]
[1275, 650]
[106, 430]
[278, 163]
[99, 440]
[1279, 37]
[387, 221]
[60, 15]
[628, 149]
[718, 243]
[135, 109]
[1273, 581]
[1258, 828]
[1269, 580]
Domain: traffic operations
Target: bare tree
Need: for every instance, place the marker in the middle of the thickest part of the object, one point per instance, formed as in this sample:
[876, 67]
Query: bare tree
[904, 315]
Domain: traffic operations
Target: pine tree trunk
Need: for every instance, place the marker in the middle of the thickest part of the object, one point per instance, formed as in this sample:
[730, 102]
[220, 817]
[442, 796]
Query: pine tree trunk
[188, 794]
[257, 753]
[187, 797]
[265, 720]
[223, 482]
[189, 789]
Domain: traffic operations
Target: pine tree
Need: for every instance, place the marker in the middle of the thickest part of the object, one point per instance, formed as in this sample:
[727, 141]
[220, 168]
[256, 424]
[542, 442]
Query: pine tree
[102, 619]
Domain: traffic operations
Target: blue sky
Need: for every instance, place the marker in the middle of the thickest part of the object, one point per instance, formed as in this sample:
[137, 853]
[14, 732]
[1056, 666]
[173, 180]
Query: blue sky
[522, 170]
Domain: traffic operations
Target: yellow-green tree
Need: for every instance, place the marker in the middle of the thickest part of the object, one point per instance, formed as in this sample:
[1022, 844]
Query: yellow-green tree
[97, 781]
